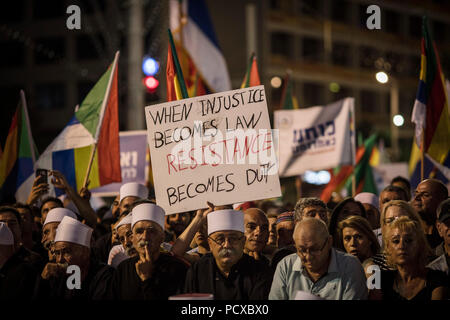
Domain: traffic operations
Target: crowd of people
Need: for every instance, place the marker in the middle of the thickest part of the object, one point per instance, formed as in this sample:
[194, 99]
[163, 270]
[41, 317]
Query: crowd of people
[388, 247]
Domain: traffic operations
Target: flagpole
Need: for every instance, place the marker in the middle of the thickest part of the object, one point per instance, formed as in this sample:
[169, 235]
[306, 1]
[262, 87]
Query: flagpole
[422, 140]
[353, 183]
[102, 113]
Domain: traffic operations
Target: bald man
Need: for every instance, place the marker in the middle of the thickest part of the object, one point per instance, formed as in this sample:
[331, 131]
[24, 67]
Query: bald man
[427, 197]
[256, 230]
[318, 268]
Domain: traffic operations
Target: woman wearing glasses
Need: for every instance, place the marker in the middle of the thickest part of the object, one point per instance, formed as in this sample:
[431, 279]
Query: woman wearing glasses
[407, 250]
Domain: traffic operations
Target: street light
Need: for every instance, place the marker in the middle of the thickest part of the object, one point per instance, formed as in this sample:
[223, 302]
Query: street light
[382, 77]
[275, 82]
[398, 120]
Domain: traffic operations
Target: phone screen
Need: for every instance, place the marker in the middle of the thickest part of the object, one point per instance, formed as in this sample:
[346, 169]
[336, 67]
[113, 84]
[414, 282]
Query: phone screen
[43, 174]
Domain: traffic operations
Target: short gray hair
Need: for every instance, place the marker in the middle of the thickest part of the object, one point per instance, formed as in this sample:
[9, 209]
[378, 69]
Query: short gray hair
[304, 203]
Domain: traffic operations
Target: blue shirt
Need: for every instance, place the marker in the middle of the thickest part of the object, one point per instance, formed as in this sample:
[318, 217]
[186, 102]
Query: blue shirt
[344, 280]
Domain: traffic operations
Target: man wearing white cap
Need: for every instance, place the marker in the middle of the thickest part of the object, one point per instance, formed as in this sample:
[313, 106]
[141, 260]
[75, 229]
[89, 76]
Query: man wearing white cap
[51, 222]
[371, 203]
[17, 278]
[72, 248]
[125, 249]
[128, 194]
[152, 275]
[227, 272]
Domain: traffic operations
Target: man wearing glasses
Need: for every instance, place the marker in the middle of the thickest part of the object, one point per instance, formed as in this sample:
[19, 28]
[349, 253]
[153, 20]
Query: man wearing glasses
[227, 272]
[317, 268]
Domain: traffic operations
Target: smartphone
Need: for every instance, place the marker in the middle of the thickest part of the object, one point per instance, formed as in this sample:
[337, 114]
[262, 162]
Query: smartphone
[43, 176]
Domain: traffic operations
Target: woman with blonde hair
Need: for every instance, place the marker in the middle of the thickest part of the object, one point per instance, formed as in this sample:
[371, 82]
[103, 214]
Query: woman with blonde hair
[407, 249]
[392, 210]
[357, 238]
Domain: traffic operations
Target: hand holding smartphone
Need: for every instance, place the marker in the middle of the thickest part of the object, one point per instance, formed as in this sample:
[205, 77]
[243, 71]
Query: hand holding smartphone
[43, 176]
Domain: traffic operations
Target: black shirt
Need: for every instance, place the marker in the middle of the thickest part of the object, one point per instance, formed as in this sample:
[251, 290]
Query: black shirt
[280, 254]
[96, 285]
[17, 279]
[102, 247]
[167, 279]
[434, 279]
[249, 279]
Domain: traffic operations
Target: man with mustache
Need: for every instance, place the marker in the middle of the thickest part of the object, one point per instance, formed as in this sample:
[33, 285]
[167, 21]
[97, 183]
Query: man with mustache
[427, 197]
[151, 274]
[227, 272]
[51, 223]
[71, 248]
[317, 268]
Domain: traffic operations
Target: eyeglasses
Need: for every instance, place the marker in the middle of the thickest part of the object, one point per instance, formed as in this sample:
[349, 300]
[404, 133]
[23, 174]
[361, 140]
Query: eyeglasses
[313, 252]
[220, 240]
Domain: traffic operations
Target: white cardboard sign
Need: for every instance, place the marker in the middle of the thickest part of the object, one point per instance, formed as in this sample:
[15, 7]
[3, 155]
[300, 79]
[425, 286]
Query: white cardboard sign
[217, 148]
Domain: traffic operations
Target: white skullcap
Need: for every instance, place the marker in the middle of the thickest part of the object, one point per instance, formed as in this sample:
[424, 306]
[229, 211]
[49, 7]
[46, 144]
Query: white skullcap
[72, 230]
[6, 236]
[124, 221]
[149, 212]
[133, 189]
[237, 205]
[222, 220]
[57, 214]
[116, 255]
[369, 198]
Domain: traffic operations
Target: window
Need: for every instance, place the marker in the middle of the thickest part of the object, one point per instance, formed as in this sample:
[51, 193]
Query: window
[310, 7]
[280, 44]
[83, 89]
[340, 10]
[312, 49]
[415, 26]
[313, 95]
[368, 101]
[89, 46]
[12, 54]
[50, 96]
[391, 21]
[49, 50]
[341, 54]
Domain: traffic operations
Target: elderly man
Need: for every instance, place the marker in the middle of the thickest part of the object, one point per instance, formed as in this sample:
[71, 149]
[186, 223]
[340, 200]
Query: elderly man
[442, 263]
[51, 223]
[125, 249]
[256, 231]
[312, 208]
[73, 275]
[428, 195]
[151, 275]
[128, 194]
[17, 278]
[317, 268]
[227, 272]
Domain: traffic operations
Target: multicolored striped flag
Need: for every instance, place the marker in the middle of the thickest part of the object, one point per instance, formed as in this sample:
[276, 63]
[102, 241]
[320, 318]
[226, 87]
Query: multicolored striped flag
[176, 87]
[20, 153]
[94, 125]
[251, 78]
[430, 112]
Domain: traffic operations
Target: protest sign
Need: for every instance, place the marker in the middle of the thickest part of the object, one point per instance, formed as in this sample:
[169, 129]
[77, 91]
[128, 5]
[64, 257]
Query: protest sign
[315, 138]
[133, 162]
[216, 148]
